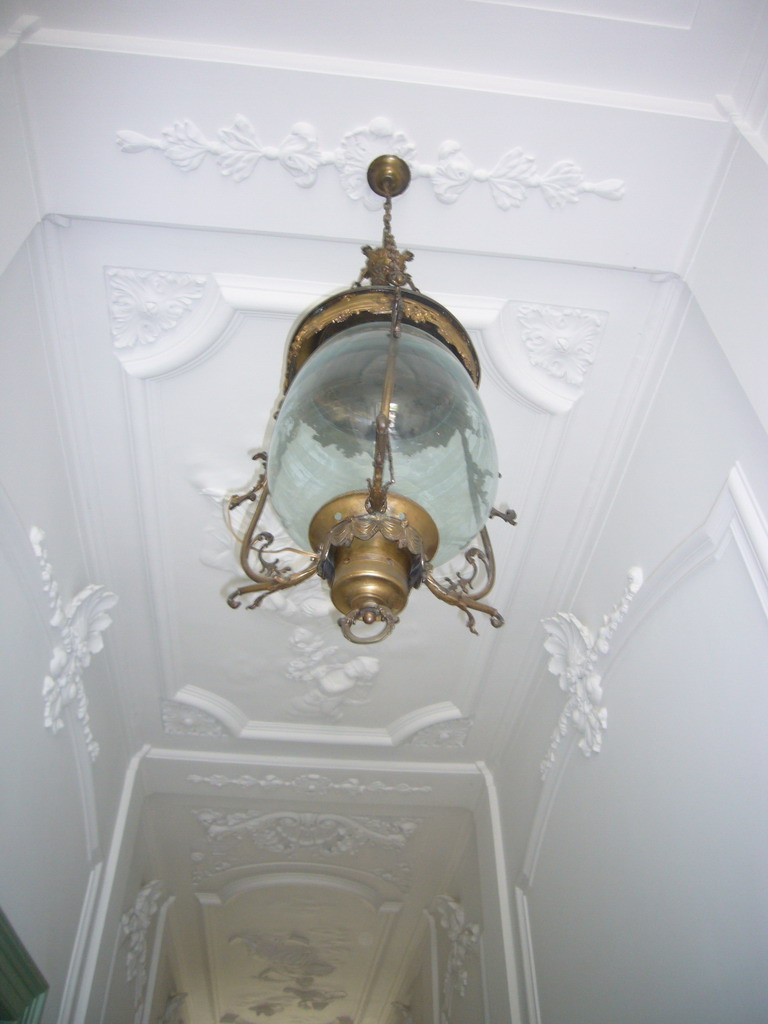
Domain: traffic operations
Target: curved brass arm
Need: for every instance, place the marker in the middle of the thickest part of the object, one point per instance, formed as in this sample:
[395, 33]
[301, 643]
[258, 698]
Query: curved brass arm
[458, 590]
[273, 576]
[464, 603]
[267, 586]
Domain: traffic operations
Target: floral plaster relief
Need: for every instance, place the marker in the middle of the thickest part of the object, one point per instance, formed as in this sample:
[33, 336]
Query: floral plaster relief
[575, 652]
[560, 341]
[289, 832]
[309, 784]
[144, 304]
[78, 628]
[237, 150]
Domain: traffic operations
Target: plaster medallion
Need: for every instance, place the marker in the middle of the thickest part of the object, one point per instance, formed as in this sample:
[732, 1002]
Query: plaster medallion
[561, 341]
[143, 304]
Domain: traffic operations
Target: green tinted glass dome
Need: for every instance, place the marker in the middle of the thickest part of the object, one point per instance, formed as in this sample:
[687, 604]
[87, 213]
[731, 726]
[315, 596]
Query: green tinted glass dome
[443, 453]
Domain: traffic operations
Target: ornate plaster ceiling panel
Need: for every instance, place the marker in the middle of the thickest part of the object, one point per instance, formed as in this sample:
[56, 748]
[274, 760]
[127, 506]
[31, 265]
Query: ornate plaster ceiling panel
[297, 910]
[190, 359]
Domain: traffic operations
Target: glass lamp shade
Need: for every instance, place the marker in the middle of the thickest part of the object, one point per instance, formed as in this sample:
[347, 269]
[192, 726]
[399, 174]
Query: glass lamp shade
[443, 453]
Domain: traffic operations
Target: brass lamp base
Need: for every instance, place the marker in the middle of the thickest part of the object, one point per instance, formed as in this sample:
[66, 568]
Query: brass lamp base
[372, 560]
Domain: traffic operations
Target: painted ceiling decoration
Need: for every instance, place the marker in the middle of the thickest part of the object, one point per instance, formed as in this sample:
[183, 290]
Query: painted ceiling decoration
[232, 816]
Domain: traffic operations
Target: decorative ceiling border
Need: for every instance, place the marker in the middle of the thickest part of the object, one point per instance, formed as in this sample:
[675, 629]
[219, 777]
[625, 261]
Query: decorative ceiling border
[310, 784]
[237, 150]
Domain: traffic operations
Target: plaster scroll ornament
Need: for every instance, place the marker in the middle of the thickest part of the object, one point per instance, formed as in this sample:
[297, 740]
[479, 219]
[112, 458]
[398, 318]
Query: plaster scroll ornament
[136, 924]
[183, 720]
[463, 938]
[172, 1010]
[144, 304]
[575, 652]
[451, 734]
[399, 876]
[78, 627]
[309, 784]
[560, 341]
[237, 151]
[290, 832]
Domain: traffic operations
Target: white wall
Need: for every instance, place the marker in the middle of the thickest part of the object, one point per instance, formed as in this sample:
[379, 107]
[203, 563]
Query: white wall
[642, 880]
[57, 805]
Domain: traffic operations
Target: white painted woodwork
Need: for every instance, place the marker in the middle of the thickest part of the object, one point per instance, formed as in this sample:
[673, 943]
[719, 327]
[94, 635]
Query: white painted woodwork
[223, 815]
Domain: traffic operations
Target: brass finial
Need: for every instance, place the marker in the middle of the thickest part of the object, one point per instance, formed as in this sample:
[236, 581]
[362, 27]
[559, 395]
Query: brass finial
[389, 175]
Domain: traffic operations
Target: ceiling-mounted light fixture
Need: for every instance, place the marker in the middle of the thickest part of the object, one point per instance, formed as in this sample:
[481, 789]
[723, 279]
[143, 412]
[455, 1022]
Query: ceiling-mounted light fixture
[382, 460]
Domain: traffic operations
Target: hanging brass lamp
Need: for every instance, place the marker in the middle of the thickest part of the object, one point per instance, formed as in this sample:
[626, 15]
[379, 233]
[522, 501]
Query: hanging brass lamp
[382, 461]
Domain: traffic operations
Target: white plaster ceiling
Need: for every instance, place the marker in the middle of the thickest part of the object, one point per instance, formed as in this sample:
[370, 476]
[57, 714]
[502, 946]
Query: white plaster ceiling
[177, 263]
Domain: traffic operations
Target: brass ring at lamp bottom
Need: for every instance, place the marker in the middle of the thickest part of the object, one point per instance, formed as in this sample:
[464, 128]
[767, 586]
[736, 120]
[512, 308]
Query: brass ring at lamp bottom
[372, 571]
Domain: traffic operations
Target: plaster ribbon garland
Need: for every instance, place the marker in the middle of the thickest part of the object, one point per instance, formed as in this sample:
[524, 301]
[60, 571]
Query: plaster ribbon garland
[574, 653]
[237, 150]
[78, 637]
[463, 938]
[136, 923]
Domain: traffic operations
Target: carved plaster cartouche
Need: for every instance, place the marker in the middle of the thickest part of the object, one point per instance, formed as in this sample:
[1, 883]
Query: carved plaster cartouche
[237, 150]
[575, 652]
[289, 832]
[78, 632]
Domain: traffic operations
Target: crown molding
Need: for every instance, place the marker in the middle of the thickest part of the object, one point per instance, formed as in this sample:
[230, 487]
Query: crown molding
[347, 67]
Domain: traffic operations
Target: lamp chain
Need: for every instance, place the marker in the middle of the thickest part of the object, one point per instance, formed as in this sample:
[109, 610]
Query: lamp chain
[396, 278]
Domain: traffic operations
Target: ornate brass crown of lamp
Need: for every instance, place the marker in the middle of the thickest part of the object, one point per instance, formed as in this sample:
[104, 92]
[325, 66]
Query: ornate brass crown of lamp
[382, 458]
